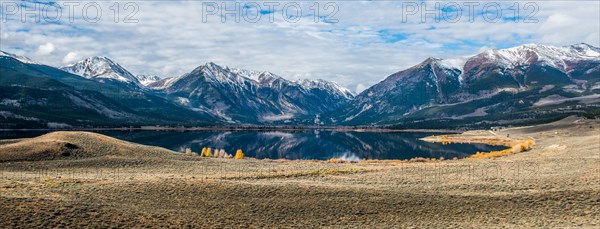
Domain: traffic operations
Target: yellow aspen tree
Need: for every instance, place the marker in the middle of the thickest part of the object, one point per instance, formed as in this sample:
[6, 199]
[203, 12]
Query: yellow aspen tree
[239, 154]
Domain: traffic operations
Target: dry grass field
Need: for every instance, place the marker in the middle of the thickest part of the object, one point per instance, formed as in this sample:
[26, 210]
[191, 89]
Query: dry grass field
[79, 179]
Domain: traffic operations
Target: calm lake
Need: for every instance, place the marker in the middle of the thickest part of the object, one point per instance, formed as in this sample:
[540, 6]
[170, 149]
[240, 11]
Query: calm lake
[308, 144]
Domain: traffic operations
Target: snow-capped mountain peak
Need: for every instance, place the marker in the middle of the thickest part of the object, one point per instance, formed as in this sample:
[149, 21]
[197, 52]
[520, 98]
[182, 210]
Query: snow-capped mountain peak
[252, 95]
[100, 67]
[267, 79]
[548, 55]
[456, 63]
[250, 74]
[453, 82]
[164, 83]
[326, 85]
[19, 58]
[586, 49]
[271, 80]
[268, 76]
[217, 73]
[147, 79]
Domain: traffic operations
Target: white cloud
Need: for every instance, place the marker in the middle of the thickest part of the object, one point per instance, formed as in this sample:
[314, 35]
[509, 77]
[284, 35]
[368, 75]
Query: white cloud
[70, 57]
[45, 49]
[171, 39]
[558, 21]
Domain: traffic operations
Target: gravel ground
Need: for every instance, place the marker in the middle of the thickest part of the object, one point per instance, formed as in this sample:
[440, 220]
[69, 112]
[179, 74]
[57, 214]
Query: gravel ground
[557, 184]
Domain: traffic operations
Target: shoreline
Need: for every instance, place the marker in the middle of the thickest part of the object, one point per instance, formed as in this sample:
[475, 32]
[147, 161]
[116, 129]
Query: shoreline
[174, 129]
[461, 139]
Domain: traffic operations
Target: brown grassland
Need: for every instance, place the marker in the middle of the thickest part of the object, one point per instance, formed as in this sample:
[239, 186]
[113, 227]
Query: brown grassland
[80, 179]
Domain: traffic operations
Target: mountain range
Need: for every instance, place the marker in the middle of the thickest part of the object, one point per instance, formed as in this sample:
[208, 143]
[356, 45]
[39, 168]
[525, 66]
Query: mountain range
[99, 92]
[101, 68]
[524, 82]
[496, 87]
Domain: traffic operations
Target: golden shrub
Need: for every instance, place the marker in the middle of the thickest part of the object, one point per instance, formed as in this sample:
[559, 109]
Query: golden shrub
[239, 154]
[516, 148]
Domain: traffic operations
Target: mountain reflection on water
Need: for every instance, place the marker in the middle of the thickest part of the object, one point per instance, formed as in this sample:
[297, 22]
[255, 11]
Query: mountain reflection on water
[313, 144]
[308, 144]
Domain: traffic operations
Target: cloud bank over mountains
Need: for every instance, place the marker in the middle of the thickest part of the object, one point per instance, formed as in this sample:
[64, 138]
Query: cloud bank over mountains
[371, 39]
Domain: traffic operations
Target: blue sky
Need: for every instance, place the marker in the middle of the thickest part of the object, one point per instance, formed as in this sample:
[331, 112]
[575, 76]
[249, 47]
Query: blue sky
[355, 43]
